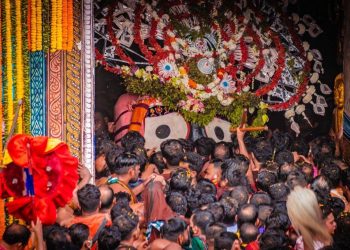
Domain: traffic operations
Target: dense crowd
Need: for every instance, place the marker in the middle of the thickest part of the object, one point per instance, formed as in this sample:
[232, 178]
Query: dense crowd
[273, 191]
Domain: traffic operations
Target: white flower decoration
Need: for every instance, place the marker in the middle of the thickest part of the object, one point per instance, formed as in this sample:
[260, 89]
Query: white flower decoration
[167, 68]
[227, 85]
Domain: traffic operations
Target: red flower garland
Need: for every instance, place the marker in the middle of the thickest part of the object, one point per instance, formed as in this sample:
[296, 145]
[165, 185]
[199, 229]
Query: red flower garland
[281, 64]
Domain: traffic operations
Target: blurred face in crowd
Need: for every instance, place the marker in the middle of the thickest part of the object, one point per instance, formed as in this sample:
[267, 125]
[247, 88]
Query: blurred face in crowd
[330, 223]
[212, 173]
[135, 172]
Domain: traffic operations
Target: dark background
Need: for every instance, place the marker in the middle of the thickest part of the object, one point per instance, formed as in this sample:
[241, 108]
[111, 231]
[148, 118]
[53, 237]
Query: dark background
[328, 15]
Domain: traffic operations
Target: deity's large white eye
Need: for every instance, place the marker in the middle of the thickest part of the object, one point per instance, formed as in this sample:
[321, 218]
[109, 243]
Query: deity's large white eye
[219, 130]
[164, 127]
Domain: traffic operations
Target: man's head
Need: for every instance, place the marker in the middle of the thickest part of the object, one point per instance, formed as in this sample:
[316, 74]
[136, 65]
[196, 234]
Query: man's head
[194, 162]
[180, 180]
[296, 178]
[176, 230]
[57, 238]
[131, 140]
[248, 232]
[16, 236]
[89, 198]
[177, 202]
[109, 238]
[260, 198]
[200, 221]
[127, 164]
[222, 151]
[332, 172]
[240, 194]
[265, 179]
[79, 234]
[205, 147]
[279, 191]
[213, 171]
[225, 241]
[248, 213]
[107, 197]
[262, 151]
[172, 152]
[230, 207]
[128, 226]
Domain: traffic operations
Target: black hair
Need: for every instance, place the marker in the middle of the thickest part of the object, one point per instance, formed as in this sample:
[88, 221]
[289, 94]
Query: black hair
[132, 139]
[105, 146]
[124, 162]
[240, 194]
[296, 178]
[187, 144]
[280, 140]
[321, 188]
[265, 179]
[284, 157]
[126, 224]
[142, 155]
[230, 208]
[345, 177]
[57, 238]
[16, 233]
[273, 239]
[242, 162]
[341, 235]
[214, 230]
[173, 228]
[204, 146]
[109, 238]
[107, 200]
[206, 186]
[299, 146]
[218, 210]
[260, 198]
[180, 180]
[202, 219]
[284, 170]
[177, 202]
[307, 169]
[78, 233]
[172, 151]
[279, 191]
[332, 172]
[248, 232]
[157, 159]
[89, 198]
[278, 220]
[225, 147]
[112, 155]
[122, 206]
[337, 205]
[322, 148]
[280, 207]
[205, 199]
[224, 241]
[263, 151]
[326, 210]
[248, 213]
[195, 161]
[234, 177]
[264, 212]
[192, 197]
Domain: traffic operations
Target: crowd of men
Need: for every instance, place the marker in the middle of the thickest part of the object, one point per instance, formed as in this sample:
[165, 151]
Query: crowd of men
[252, 193]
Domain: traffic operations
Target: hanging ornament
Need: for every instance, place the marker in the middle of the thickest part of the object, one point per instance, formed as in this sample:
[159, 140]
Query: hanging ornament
[300, 110]
[289, 115]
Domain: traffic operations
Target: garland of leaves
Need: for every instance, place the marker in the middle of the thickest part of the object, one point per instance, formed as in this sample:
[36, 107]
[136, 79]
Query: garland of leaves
[172, 95]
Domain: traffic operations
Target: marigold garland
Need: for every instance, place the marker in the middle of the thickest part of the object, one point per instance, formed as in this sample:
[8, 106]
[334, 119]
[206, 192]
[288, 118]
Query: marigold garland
[33, 25]
[19, 63]
[53, 25]
[70, 25]
[46, 25]
[64, 24]
[9, 75]
[25, 48]
[39, 25]
[59, 24]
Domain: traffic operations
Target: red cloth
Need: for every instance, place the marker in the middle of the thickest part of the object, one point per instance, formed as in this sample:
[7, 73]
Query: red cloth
[253, 246]
[54, 172]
